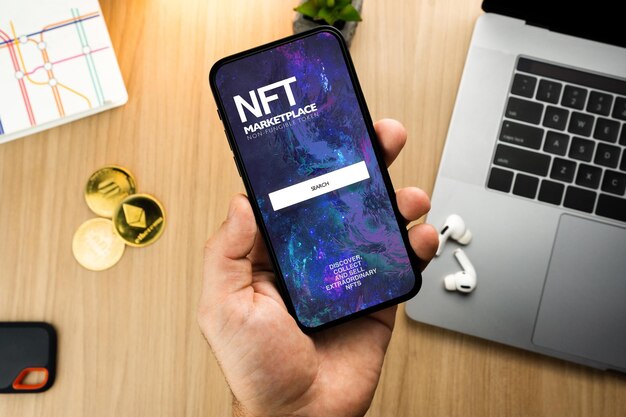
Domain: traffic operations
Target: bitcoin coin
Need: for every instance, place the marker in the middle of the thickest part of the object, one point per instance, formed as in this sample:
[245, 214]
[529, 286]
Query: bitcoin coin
[107, 187]
[139, 219]
[96, 246]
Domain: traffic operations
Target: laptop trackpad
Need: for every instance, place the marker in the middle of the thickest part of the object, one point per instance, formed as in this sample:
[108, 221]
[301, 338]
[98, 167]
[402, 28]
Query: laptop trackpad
[583, 307]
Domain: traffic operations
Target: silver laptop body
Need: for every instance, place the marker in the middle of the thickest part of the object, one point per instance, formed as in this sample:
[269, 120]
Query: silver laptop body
[551, 271]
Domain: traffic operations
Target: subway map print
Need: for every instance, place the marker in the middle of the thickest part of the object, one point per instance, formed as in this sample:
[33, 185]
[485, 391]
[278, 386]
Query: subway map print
[56, 65]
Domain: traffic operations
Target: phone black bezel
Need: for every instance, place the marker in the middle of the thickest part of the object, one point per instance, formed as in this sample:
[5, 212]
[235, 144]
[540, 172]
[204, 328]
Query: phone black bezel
[415, 261]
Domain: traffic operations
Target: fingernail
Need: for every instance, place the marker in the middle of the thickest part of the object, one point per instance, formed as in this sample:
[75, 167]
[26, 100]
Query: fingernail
[231, 209]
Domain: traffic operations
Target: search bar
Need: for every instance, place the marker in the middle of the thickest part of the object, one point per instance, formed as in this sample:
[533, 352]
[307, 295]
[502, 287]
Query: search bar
[317, 186]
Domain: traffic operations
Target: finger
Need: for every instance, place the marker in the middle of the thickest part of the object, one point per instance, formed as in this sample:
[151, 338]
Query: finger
[413, 203]
[424, 241]
[226, 266]
[391, 136]
[386, 316]
[260, 256]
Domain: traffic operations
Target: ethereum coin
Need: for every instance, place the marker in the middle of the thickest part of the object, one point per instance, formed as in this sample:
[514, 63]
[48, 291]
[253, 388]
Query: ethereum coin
[96, 246]
[139, 219]
[107, 187]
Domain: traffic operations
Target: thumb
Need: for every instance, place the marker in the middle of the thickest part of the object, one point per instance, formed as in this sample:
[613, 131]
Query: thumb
[226, 266]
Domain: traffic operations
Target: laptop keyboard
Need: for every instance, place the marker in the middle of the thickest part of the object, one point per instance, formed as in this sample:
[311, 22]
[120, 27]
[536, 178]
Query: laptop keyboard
[563, 140]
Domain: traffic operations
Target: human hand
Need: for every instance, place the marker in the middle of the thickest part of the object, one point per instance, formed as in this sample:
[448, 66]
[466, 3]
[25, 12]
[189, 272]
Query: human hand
[274, 369]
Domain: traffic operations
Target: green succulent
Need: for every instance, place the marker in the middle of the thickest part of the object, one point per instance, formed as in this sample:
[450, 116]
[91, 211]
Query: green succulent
[329, 11]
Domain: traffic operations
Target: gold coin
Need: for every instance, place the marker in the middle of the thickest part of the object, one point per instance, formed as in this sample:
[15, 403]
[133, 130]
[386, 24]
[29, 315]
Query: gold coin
[96, 246]
[139, 219]
[107, 187]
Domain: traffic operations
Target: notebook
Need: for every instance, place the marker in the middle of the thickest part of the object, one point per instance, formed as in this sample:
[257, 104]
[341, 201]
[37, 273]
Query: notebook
[57, 65]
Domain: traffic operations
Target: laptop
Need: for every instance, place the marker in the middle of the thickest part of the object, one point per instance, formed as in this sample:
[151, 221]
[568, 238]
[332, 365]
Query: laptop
[535, 164]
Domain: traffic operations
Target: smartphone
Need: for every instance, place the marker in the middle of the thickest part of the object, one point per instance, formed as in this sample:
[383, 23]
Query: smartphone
[304, 144]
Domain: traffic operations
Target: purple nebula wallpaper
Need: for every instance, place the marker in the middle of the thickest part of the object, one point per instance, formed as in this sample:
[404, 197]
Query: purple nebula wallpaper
[295, 117]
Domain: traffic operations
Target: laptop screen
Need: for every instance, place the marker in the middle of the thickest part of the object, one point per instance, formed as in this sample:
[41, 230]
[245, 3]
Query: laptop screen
[599, 20]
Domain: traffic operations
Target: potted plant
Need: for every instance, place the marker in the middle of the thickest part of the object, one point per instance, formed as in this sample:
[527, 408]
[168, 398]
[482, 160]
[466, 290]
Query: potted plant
[342, 14]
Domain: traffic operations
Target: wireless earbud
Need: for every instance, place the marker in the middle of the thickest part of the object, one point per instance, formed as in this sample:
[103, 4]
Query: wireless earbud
[465, 280]
[454, 228]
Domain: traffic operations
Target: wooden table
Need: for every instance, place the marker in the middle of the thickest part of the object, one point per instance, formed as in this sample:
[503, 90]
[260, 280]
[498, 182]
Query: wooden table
[129, 344]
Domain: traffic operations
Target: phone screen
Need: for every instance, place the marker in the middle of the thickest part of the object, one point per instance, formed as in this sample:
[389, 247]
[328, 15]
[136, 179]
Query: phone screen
[299, 128]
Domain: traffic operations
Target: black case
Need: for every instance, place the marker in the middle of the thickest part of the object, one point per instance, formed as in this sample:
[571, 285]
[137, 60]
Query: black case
[25, 347]
[415, 261]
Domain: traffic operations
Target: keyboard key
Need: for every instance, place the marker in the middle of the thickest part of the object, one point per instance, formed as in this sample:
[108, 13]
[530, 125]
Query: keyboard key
[523, 85]
[525, 185]
[607, 155]
[606, 130]
[563, 170]
[614, 182]
[549, 91]
[622, 137]
[522, 160]
[555, 118]
[582, 149]
[551, 192]
[619, 110]
[556, 143]
[580, 124]
[500, 179]
[579, 199]
[622, 166]
[524, 110]
[588, 176]
[522, 135]
[574, 76]
[611, 207]
[599, 103]
[574, 97]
